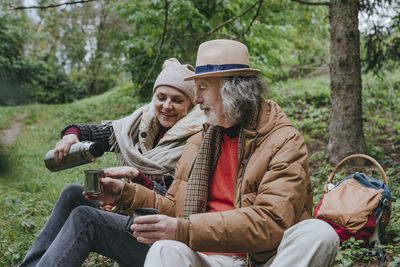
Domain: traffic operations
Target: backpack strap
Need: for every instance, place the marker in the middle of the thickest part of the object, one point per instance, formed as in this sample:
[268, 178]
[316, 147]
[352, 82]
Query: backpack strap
[375, 242]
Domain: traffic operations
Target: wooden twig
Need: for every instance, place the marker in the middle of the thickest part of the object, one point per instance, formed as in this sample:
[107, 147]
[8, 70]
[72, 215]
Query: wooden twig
[11, 6]
[254, 18]
[158, 52]
[312, 3]
[226, 22]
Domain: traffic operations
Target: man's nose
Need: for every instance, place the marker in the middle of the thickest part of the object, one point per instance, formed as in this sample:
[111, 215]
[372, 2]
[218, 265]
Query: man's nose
[198, 99]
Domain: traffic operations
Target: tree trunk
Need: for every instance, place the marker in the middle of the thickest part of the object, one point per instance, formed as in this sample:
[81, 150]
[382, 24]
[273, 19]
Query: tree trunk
[345, 124]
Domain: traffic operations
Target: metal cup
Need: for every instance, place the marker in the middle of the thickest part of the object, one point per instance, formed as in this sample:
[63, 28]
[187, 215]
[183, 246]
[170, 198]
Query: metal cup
[137, 213]
[93, 185]
[144, 211]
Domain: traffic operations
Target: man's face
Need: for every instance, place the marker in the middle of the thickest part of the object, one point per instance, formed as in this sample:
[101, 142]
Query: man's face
[208, 95]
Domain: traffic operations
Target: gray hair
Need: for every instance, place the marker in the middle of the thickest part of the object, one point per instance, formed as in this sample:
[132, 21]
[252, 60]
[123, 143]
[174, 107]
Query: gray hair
[241, 97]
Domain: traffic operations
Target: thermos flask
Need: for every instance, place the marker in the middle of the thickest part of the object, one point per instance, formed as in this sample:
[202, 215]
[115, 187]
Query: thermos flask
[79, 153]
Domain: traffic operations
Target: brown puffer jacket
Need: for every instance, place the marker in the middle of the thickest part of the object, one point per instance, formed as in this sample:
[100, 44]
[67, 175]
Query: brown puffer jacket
[274, 193]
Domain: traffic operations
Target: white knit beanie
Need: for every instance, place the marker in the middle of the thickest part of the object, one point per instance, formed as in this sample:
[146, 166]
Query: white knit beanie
[173, 73]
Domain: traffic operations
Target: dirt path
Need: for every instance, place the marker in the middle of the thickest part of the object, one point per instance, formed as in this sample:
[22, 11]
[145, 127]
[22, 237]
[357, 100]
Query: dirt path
[7, 136]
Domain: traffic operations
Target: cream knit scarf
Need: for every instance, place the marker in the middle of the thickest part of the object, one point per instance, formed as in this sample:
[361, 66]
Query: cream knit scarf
[155, 163]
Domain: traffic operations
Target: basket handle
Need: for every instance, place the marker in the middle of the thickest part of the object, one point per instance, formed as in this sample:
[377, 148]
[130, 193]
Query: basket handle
[330, 179]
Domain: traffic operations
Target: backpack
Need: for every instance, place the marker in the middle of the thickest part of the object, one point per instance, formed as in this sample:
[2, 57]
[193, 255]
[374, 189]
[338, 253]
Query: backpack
[358, 206]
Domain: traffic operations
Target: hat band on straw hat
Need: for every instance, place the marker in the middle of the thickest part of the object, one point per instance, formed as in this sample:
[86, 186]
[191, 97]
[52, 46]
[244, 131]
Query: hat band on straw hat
[212, 68]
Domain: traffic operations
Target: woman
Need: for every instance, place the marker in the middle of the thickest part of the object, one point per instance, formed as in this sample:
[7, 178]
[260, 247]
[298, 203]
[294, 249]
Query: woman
[150, 141]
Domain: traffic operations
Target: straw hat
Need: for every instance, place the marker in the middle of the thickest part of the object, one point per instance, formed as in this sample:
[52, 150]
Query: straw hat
[222, 58]
[172, 74]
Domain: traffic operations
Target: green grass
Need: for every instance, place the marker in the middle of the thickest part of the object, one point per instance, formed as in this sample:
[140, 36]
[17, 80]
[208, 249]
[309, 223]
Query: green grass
[7, 114]
[28, 190]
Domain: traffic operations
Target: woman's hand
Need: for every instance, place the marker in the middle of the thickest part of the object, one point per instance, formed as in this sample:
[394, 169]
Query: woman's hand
[121, 172]
[111, 190]
[63, 146]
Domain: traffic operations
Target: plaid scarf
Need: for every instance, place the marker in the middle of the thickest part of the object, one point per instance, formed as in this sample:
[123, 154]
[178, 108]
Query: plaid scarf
[196, 196]
[207, 157]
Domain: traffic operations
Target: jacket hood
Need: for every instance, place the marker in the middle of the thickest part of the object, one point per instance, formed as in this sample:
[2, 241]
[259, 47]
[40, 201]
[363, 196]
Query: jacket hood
[270, 118]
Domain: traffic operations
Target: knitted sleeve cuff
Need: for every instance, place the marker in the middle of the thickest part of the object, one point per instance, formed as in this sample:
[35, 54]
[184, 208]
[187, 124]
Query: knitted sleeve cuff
[143, 180]
[93, 132]
[73, 130]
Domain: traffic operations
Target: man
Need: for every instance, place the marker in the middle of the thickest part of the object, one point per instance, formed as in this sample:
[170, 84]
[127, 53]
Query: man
[241, 193]
[241, 185]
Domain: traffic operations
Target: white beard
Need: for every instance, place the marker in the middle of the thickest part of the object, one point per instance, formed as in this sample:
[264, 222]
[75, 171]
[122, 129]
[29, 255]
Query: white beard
[211, 118]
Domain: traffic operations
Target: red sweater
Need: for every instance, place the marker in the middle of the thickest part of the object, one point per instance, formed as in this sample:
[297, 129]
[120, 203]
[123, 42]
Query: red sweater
[220, 197]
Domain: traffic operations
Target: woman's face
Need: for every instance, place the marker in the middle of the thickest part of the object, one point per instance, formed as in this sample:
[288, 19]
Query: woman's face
[170, 105]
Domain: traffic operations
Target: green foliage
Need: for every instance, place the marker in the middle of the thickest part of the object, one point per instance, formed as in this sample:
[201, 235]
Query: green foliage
[349, 251]
[277, 39]
[306, 103]
[83, 41]
[89, 48]
[52, 85]
[289, 40]
[380, 106]
[395, 262]
[381, 41]
[15, 69]
[31, 78]
[64, 56]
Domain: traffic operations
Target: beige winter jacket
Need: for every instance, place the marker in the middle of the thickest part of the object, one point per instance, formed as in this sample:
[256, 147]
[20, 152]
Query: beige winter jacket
[274, 193]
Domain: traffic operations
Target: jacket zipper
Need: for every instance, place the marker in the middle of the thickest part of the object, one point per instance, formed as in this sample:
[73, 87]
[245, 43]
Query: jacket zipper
[252, 149]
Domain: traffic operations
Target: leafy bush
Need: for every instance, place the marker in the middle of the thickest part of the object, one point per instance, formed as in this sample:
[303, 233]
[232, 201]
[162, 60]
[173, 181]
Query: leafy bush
[31, 79]
[51, 85]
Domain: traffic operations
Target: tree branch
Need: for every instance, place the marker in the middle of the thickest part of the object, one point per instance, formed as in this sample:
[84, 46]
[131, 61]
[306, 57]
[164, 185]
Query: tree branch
[158, 52]
[254, 18]
[226, 22]
[312, 3]
[11, 6]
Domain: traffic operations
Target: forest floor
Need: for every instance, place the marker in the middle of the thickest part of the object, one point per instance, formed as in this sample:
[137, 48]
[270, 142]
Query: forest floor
[8, 135]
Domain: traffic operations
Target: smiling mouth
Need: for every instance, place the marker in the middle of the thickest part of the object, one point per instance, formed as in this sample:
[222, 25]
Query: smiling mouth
[204, 108]
[168, 115]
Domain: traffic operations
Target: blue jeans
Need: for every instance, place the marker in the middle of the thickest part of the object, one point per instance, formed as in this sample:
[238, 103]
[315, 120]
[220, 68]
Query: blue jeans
[77, 227]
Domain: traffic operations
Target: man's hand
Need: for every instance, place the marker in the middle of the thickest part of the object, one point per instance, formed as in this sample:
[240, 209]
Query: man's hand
[151, 228]
[111, 190]
[121, 172]
[62, 147]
